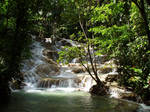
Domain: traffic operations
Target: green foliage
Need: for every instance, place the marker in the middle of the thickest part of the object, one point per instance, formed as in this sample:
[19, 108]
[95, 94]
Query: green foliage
[69, 53]
[115, 30]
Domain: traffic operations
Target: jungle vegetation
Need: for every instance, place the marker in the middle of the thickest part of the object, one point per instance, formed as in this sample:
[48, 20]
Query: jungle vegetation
[119, 29]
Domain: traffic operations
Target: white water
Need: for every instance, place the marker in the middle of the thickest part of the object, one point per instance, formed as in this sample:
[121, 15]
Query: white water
[31, 78]
[28, 69]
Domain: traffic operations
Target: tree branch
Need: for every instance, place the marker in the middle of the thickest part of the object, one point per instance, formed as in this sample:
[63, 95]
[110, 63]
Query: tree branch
[87, 69]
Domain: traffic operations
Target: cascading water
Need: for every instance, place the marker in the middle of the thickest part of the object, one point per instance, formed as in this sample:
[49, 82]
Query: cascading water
[30, 76]
[65, 80]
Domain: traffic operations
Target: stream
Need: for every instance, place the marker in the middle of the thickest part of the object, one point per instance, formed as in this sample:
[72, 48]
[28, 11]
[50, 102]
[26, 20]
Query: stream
[50, 90]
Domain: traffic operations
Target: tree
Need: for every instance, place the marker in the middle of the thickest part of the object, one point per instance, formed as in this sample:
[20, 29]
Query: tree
[86, 53]
[119, 29]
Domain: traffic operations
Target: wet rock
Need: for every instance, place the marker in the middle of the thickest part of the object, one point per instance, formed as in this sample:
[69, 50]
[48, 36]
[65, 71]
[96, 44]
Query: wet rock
[74, 65]
[50, 61]
[51, 54]
[46, 70]
[130, 96]
[49, 82]
[99, 90]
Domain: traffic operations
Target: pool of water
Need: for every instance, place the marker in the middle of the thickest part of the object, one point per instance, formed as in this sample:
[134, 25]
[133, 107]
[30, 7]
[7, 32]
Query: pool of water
[60, 101]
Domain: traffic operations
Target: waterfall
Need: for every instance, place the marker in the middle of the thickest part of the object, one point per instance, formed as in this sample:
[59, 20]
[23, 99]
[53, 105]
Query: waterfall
[29, 66]
[38, 73]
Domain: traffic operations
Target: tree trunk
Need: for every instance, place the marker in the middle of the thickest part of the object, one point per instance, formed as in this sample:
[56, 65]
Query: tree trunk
[146, 22]
[144, 15]
[19, 38]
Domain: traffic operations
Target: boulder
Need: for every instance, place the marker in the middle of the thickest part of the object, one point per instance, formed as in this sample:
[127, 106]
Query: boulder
[99, 90]
[46, 70]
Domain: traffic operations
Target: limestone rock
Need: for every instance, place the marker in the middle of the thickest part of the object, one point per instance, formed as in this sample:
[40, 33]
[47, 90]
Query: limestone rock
[46, 70]
[49, 82]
